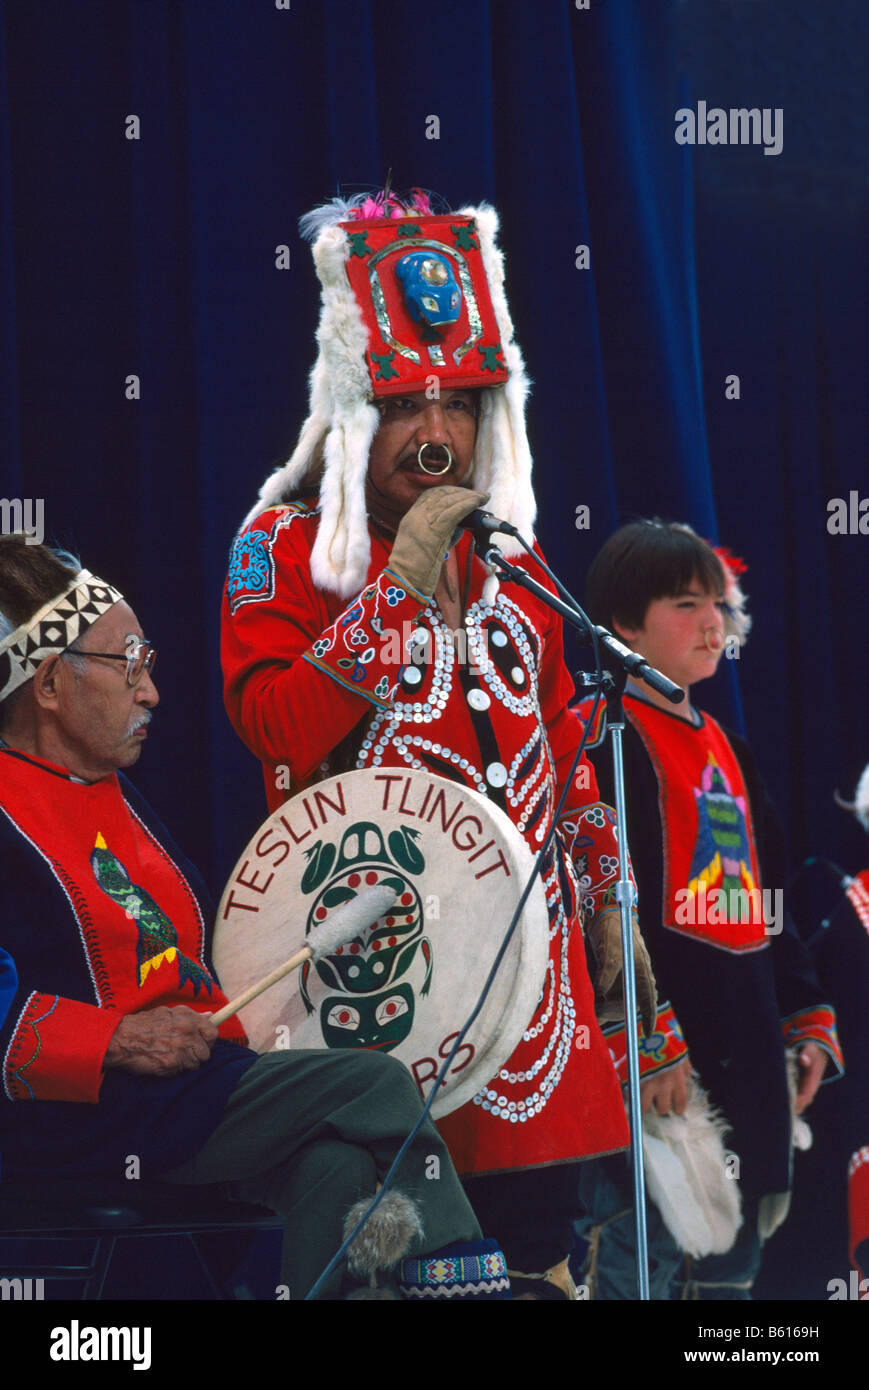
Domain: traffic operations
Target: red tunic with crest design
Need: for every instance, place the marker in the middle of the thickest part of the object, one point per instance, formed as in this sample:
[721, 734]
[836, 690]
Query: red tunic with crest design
[316, 685]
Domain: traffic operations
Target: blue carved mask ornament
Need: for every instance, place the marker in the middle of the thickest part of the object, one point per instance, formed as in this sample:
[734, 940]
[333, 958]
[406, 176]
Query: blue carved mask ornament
[430, 288]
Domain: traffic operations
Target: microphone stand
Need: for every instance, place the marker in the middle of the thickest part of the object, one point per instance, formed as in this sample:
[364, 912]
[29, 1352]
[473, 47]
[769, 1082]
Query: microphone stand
[620, 662]
[845, 881]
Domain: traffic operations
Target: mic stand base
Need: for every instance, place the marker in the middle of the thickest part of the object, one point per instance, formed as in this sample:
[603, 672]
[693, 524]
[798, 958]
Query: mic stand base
[620, 660]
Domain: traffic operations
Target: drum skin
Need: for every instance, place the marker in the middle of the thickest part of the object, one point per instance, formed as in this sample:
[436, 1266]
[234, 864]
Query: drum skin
[409, 981]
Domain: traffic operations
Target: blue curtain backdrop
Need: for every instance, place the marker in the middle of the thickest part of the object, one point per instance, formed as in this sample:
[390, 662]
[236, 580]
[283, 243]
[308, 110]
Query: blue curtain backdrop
[156, 257]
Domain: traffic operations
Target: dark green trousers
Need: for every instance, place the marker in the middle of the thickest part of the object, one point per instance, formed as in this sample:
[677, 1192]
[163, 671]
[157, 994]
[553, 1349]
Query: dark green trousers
[309, 1133]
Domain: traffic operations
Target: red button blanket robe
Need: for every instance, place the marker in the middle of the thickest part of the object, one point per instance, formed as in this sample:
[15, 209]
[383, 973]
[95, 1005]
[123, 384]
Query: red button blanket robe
[100, 916]
[318, 685]
[703, 837]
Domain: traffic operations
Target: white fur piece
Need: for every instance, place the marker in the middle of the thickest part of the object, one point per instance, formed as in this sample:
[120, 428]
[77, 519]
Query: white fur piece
[771, 1212]
[342, 550]
[687, 1179]
[350, 919]
[338, 431]
[861, 799]
[280, 484]
[386, 1236]
[342, 336]
[502, 457]
[801, 1134]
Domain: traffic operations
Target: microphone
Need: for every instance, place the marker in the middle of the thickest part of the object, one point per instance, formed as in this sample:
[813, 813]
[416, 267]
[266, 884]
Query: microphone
[483, 525]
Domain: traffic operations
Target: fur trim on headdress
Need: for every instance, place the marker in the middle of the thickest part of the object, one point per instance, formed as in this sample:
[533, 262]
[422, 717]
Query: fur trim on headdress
[502, 456]
[338, 431]
[336, 438]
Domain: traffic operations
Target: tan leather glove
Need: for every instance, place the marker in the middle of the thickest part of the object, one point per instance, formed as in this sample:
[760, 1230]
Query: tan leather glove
[605, 936]
[424, 534]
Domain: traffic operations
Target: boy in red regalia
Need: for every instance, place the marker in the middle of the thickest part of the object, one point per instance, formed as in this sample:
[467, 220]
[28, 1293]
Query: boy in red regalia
[708, 858]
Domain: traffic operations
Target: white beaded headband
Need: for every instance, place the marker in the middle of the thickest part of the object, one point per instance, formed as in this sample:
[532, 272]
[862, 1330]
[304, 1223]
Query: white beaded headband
[54, 628]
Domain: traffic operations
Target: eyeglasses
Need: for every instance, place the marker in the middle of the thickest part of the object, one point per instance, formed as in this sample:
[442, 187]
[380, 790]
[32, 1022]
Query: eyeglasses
[139, 659]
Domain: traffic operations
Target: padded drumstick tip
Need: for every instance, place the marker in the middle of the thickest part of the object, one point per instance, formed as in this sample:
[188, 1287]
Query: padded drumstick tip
[350, 920]
[386, 1236]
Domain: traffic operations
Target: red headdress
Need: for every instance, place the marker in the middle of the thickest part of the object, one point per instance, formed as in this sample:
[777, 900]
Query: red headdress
[411, 301]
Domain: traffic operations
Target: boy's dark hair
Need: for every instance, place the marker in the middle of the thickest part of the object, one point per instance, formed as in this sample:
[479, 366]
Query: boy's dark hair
[644, 561]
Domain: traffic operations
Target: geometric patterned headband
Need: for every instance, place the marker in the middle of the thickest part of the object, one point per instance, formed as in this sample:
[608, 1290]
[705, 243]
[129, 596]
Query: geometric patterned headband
[53, 628]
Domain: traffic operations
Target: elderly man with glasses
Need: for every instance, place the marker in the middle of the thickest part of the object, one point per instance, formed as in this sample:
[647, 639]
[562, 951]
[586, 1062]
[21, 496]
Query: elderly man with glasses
[108, 1046]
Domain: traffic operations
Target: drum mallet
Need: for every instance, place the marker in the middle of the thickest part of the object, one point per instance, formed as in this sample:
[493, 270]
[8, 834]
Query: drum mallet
[345, 922]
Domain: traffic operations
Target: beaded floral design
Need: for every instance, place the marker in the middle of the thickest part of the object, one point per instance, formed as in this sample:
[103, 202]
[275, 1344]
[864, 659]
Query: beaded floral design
[353, 650]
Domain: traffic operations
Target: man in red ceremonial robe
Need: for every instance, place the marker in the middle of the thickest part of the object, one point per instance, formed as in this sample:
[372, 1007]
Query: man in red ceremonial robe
[106, 990]
[359, 631]
[736, 983]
